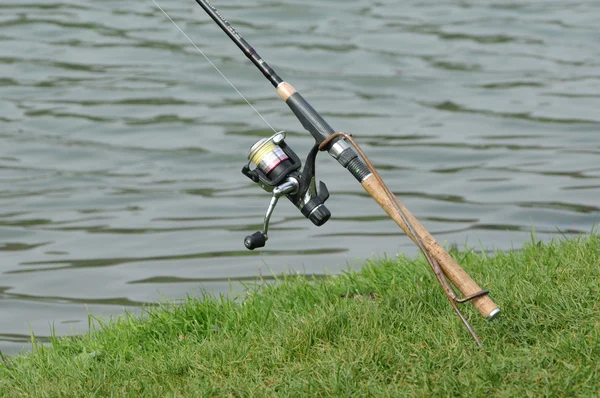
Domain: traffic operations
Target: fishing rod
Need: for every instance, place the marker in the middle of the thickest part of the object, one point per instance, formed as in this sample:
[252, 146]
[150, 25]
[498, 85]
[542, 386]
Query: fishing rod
[278, 170]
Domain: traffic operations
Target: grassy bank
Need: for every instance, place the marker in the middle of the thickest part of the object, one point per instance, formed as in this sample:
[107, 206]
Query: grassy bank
[384, 331]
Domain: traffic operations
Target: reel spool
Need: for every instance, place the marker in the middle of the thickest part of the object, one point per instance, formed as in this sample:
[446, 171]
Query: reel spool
[277, 170]
[268, 156]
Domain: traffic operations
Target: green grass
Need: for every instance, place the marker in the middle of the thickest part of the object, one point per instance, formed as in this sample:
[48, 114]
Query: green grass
[333, 337]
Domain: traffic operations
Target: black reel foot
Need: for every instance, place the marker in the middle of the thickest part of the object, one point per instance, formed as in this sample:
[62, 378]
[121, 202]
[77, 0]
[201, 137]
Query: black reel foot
[257, 239]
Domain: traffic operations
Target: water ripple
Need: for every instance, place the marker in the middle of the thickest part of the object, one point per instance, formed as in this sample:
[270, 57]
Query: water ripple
[121, 147]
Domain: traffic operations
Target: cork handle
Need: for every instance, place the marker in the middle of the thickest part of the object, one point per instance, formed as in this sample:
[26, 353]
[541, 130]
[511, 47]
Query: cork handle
[453, 271]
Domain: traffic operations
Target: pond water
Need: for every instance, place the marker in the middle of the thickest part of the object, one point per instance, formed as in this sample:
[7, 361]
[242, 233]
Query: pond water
[121, 147]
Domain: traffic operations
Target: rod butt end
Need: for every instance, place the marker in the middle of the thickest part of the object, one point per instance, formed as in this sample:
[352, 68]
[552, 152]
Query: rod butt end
[494, 314]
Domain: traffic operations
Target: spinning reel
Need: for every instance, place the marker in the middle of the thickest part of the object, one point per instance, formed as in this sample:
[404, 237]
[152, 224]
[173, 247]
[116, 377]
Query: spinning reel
[278, 171]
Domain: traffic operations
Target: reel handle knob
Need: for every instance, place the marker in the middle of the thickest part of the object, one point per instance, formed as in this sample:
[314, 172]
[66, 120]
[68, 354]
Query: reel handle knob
[257, 239]
[319, 215]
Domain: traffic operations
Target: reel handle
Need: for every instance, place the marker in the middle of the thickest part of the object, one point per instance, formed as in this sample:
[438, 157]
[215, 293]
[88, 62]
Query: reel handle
[259, 238]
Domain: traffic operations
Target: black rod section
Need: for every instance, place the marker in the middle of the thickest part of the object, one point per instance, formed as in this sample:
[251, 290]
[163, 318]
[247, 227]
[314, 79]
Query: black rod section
[306, 114]
[240, 42]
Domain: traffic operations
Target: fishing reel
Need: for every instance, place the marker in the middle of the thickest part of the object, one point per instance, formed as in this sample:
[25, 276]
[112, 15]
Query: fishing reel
[278, 171]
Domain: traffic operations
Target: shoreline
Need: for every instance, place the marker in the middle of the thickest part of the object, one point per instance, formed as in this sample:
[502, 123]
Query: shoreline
[384, 330]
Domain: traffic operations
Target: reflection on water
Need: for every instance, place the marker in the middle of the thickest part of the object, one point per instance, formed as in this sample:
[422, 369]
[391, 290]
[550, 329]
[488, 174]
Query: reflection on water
[121, 148]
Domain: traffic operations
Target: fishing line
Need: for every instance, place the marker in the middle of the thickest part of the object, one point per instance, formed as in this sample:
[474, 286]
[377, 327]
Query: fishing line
[215, 66]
